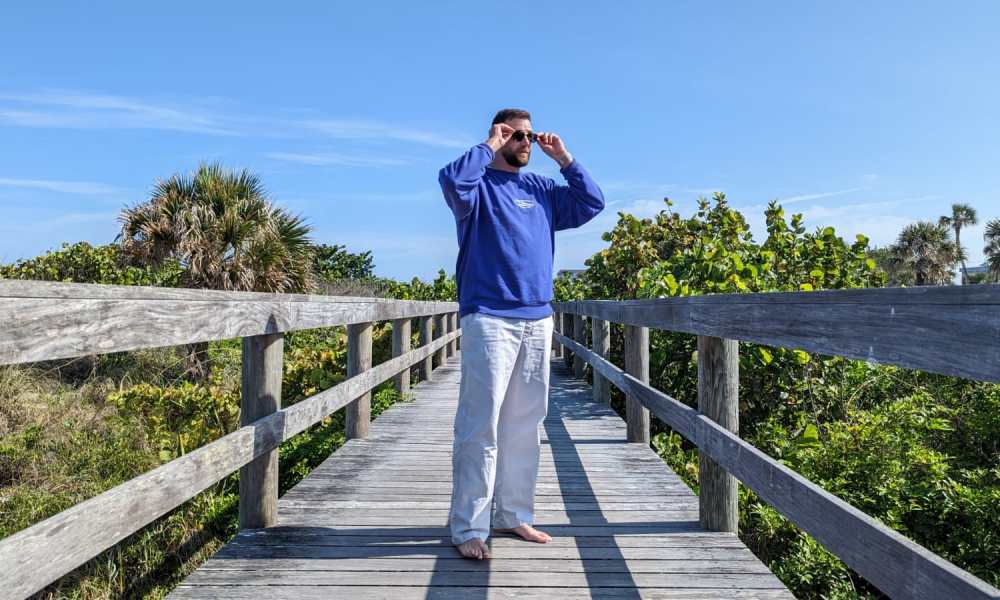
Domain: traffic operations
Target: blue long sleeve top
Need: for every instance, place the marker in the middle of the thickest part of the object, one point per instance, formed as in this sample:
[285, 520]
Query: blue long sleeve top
[506, 226]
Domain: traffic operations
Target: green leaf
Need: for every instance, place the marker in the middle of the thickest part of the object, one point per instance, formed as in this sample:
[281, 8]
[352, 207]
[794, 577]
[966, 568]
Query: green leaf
[871, 264]
[806, 287]
[817, 273]
[801, 357]
[765, 354]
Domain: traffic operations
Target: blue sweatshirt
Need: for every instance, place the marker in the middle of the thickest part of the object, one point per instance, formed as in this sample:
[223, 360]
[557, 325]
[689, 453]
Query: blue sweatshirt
[506, 231]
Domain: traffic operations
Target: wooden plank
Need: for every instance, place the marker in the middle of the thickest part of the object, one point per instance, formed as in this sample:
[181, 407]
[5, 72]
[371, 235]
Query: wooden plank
[47, 321]
[260, 396]
[580, 335]
[637, 364]
[601, 333]
[898, 566]
[718, 399]
[401, 335]
[951, 330]
[51, 548]
[481, 592]
[426, 337]
[357, 416]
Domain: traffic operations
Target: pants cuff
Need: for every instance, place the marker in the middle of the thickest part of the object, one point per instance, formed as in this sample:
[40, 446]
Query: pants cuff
[471, 535]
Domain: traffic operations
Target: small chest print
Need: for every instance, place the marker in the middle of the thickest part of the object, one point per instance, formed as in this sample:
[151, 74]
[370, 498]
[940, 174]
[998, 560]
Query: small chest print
[524, 203]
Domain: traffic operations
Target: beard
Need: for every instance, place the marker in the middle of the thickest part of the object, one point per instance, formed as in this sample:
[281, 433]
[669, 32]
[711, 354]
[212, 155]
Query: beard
[513, 159]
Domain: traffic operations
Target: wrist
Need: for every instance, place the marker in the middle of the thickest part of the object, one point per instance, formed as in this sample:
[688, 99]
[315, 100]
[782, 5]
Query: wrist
[564, 160]
[494, 144]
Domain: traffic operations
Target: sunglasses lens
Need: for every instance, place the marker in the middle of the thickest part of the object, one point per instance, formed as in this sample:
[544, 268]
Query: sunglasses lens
[519, 135]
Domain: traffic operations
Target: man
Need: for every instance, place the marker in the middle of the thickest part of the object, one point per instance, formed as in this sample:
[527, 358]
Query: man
[506, 223]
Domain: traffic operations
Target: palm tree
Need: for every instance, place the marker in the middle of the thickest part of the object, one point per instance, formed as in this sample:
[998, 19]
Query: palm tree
[224, 232]
[926, 248]
[992, 249]
[962, 215]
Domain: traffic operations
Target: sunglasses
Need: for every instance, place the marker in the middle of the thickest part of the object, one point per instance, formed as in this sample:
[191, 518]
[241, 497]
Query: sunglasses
[520, 134]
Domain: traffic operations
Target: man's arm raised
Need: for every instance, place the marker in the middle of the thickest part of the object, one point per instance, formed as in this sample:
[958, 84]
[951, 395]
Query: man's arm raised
[460, 179]
[582, 199]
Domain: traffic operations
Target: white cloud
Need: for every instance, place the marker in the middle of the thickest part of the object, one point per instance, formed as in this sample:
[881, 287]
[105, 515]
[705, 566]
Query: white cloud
[66, 187]
[355, 129]
[331, 159]
[805, 197]
[77, 110]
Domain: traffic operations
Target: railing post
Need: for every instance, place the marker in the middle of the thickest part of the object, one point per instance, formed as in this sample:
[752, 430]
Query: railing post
[580, 337]
[567, 330]
[439, 321]
[426, 333]
[637, 365]
[452, 327]
[401, 345]
[260, 396]
[601, 332]
[359, 358]
[718, 399]
[557, 349]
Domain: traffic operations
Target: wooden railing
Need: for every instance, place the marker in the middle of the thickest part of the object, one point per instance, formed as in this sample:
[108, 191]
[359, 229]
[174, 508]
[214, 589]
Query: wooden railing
[949, 330]
[43, 321]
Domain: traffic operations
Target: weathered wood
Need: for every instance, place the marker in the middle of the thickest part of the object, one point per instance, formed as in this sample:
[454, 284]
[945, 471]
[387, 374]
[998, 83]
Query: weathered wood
[557, 349]
[942, 329]
[401, 335]
[898, 566]
[567, 330]
[580, 335]
[260, 396]
[357, 417]
[40, 554]
[601, 333]
[637, 365]
[426, 337]
[439, 330]
[479, 592]
[718, 399]
[451, 324]
[49, 321]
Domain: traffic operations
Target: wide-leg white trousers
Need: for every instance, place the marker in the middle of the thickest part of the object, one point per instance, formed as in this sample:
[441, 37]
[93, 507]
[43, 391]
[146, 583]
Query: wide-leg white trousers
[503, 399]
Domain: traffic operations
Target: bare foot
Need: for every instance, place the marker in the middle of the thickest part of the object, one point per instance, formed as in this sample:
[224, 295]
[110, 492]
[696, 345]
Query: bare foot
[474, 548]
[529, 533]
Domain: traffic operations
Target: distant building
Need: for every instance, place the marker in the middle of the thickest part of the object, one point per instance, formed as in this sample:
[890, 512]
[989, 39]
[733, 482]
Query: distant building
[980, 269]
[576, 272]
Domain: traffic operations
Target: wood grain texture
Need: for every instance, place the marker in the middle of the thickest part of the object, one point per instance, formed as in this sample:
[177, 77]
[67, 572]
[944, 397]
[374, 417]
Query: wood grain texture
[51, 321]
[440, 328]
[953, 330]
[557, 349]
[260, 396]
[357, 417]
[426, 337]
[567, 330]
[341, 535]
[898, 566]
[401, 336]
[580, 335]
[601, 333]
[637, 365]
[719, 400]
[40, 554]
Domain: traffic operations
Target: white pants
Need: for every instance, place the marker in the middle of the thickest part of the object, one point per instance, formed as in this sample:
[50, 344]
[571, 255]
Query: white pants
[503, 398]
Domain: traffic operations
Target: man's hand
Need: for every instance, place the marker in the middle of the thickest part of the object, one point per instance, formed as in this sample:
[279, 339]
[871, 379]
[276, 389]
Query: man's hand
[553, 146]
[499, 135]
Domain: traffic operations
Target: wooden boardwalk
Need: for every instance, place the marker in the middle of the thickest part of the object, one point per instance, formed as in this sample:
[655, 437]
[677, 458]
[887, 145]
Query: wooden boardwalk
[370, 522]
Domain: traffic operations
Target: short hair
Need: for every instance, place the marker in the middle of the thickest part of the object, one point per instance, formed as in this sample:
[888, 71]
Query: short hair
[511, 113]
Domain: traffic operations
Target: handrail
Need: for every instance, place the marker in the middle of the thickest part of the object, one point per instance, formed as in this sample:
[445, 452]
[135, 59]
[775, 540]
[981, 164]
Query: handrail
[47, 320]
[952, 330]
[896, 565]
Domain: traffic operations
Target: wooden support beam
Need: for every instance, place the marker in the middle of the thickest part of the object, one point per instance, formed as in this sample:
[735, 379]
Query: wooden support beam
[601, 332]
[359, 359]
[260, 396]
[439, 326]
[718, 399]
[426, 337]
[580, 335]
[452, 326]
[557, 349]
[401, 345]
[567, 329]
[637, 365]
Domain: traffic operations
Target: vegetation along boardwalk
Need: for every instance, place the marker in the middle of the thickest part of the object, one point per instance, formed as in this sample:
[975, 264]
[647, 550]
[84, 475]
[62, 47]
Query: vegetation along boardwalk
[371, 521]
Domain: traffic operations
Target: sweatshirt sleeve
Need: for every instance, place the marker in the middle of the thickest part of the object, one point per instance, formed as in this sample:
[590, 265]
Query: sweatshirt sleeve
[460, 179]
[578, 202]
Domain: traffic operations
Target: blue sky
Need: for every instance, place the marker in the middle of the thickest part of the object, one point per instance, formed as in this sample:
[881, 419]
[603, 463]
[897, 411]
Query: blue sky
[865, 116]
